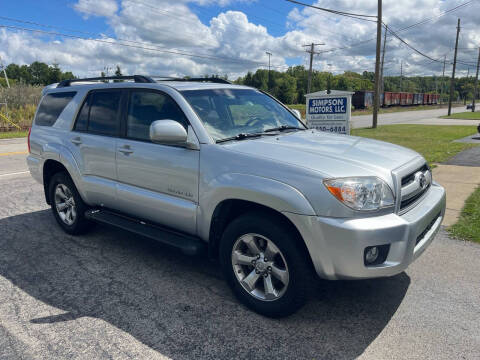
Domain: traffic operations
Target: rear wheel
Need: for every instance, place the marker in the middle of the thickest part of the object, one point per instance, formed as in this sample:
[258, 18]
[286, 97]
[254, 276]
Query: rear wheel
[67, 205]
[264, 265]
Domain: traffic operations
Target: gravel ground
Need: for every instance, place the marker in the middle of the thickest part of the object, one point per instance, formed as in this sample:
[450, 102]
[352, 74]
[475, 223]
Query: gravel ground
[112, 295]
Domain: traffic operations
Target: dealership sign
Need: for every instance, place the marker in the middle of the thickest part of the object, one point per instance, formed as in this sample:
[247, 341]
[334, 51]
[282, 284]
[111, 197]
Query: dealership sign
[329, 112]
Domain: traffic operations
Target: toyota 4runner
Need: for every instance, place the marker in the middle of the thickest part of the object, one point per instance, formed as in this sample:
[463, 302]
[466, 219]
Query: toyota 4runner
[227, 170]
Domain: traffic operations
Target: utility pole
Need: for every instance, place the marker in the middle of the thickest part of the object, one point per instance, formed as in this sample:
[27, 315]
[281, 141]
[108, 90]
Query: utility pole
[269, 67]
[476, 82]
[4, 73]
[311, 52]
[376, 100]
[401, 75]
[383, 58]
[452, 80]
[465, 98]
[443, 75]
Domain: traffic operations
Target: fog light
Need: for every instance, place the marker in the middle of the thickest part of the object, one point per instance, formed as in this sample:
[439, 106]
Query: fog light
[371, 254]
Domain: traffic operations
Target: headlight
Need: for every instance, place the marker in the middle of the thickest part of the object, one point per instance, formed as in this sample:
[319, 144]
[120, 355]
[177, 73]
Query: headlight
[361, 193]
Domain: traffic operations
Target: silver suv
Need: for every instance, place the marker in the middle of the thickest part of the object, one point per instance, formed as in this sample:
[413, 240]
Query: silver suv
[227, 170]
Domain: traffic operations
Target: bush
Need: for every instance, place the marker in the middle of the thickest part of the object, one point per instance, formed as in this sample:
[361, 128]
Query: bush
[21, 102]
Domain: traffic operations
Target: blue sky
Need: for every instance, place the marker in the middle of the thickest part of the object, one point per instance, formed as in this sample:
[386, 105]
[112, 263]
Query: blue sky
[233, 35]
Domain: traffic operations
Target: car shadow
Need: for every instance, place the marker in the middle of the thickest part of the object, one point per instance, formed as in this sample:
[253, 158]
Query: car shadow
[180, 306]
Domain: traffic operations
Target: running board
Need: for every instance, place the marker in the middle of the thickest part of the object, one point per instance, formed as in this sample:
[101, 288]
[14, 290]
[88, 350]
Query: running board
[188, 244]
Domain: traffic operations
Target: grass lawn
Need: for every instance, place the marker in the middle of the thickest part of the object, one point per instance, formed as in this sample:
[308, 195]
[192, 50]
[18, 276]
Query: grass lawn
[433, 142]
[13, 134]
[467, 115]
[468, 226]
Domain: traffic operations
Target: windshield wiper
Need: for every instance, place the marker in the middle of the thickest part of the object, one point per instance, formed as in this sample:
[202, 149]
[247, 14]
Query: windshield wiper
[283, 128]
[240, 136]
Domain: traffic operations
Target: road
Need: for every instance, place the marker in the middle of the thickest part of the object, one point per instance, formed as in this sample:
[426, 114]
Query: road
[425, 117]
[109, 294]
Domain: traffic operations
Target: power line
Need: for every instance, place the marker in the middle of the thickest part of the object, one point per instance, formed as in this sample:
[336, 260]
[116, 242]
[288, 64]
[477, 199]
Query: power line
[337, 12]
[161, 50]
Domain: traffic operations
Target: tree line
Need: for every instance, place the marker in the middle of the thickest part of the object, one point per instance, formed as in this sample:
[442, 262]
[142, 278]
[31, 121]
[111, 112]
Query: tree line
[289, 86]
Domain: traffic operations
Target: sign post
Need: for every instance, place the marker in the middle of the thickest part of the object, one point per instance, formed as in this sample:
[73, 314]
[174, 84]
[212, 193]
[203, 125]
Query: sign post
[329, 112]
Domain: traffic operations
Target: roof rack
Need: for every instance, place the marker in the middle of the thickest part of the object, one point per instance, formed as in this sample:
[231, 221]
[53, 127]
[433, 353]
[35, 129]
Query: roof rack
[135, 78]
[212, 80]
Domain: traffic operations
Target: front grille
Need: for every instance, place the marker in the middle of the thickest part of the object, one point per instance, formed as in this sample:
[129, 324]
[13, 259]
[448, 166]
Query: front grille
[427, 229]
[411, 177]
[411, 189]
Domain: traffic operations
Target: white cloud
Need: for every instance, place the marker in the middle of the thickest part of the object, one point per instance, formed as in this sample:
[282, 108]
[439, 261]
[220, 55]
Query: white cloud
[105, 8]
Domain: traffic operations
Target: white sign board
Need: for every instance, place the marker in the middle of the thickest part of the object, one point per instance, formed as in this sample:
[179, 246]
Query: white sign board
[329, 112]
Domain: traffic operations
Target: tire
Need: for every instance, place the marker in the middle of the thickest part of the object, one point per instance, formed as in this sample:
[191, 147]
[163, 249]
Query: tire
[63, 193]
[286, 296]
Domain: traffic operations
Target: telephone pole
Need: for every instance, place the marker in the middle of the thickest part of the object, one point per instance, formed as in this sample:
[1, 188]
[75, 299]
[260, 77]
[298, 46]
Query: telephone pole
[376, 100]
[4, 73]
[383, 58]
[311, 52]
[443, 76]
[452, 80]
[269, 68]
[476, 82]
[401, 75]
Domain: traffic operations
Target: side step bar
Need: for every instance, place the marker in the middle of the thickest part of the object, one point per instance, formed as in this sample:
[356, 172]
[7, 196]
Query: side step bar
[188, 244]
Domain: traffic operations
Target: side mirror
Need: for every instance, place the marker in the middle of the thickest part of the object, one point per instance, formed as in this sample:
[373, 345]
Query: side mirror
[168, 132]
[297, 113]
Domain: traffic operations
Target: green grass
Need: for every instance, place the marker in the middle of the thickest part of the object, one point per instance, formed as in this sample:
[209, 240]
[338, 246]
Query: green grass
[468, 226]
[467, 115]
[13, 134]
[393, 109]
[433, 142]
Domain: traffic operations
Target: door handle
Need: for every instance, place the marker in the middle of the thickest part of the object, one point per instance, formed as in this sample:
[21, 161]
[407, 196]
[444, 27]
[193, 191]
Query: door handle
[76, 140]
[125, 150]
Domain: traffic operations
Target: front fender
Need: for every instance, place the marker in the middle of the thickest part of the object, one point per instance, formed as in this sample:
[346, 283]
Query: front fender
[263, 191]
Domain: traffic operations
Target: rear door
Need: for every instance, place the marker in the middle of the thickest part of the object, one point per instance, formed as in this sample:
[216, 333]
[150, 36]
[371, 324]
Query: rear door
[156, 182]
[93, 142]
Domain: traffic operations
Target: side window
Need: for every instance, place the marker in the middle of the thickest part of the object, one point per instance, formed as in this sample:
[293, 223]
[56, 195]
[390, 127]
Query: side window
[51, 107]
[146, 107]
[103, 117]
[82, 118]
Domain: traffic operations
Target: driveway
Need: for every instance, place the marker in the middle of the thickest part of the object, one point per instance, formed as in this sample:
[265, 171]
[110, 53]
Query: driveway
[421, 117]
[109, 294]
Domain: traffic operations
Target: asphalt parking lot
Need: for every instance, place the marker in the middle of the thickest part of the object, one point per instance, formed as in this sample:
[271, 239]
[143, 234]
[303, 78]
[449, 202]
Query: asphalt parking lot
[108, 294]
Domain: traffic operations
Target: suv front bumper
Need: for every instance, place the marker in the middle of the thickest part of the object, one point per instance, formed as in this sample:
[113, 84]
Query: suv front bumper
[337, 245]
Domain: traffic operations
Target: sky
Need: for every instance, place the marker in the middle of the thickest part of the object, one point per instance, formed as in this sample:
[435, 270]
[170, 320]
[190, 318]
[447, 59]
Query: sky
[231, 37]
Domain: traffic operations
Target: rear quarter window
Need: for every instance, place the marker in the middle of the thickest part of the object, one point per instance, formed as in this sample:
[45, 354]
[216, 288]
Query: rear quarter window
[51, 107]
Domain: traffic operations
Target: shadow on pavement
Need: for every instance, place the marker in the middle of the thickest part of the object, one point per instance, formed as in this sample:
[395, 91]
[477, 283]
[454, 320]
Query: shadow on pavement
[178, 305]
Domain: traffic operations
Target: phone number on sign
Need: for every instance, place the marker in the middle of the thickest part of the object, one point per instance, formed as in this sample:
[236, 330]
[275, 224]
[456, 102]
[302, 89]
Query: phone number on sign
[333, 129]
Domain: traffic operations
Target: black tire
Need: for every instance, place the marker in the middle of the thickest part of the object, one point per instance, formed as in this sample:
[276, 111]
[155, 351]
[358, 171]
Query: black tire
[286, 240]
[80, 224]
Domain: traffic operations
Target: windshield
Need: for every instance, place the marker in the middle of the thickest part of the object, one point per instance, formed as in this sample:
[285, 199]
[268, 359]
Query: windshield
[227, 113]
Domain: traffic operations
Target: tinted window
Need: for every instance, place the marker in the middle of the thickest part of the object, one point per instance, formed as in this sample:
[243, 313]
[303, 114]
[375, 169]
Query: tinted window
[51, 107]
[146, 107]
[82, 118]
[103, 112]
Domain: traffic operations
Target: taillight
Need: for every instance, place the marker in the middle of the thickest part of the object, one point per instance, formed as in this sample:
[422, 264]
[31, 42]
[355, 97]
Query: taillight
[28, 142]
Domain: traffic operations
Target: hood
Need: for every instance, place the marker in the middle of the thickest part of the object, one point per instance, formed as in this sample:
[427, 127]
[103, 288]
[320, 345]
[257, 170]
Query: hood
[330, 154]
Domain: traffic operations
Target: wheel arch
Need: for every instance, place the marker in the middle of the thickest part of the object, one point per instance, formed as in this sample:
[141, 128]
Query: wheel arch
[229, 209]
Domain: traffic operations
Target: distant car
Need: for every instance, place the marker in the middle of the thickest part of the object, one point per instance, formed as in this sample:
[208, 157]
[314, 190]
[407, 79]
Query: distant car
[227, 170]
[469, 106]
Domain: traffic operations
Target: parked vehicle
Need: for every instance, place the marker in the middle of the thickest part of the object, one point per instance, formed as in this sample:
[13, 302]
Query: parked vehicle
[227, 170]
[364, 99]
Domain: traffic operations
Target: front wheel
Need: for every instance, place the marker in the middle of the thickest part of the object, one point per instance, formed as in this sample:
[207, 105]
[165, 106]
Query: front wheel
[264, 264]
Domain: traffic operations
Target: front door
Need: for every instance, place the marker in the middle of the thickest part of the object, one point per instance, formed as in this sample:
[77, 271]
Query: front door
[156, 182]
